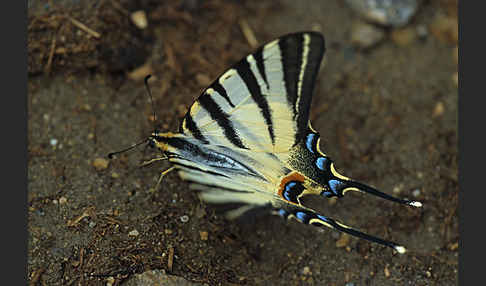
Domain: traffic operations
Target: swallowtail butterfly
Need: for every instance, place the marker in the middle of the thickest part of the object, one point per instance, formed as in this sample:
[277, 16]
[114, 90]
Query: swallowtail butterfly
[247, 140]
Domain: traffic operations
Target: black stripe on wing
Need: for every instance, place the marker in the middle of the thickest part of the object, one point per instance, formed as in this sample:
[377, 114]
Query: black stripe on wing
[294, 53]
[246, 74]
[258, 55]
[222, 91]
[221, 118]
[191, 125]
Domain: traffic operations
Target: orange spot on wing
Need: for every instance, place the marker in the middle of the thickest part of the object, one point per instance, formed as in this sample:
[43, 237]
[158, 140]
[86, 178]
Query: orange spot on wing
[294, 176]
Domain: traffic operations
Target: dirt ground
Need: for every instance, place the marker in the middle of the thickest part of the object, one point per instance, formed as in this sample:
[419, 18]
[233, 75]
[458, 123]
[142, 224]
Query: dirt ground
[387, 115]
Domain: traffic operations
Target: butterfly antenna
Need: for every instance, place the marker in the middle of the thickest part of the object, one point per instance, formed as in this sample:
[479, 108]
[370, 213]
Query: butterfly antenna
[150, 96]
[110, 155]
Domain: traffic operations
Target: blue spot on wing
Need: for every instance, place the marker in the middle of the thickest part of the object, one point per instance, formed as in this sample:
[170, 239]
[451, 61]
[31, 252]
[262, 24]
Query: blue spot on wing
[321, 163]
[309, 142]
[283, 213]
[323, 218]
[288, 190]
[334, 185]
[301, 216]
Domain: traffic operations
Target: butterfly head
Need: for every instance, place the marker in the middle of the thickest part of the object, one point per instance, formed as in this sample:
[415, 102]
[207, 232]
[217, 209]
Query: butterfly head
[153, 139]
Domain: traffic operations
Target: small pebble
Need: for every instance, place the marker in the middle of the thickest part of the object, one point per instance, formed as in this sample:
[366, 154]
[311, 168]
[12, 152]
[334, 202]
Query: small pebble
[398, 188]
[92, 224]
[396, 13]
[184, 218]
[100, 164]
[403, 37]
[342, 241]
[53, 142]
[422, 32]
[62, 200]
[110, 281]
[141, 72]
[445, 29]
[86, 107]
[416, 192]
[139, 18]
[306, 271]
[428, 273]
[204, 235]
[453, 246]
[115, 175]
[203, 79]
[364, 35]
[387, 271]
[133, 233]
[438, 109]
[54, 201]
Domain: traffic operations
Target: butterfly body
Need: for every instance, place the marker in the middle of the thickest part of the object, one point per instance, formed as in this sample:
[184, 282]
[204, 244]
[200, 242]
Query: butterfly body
[248, 139]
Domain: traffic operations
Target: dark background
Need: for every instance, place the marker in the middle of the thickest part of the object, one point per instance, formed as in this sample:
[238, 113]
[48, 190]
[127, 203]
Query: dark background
[387, 115]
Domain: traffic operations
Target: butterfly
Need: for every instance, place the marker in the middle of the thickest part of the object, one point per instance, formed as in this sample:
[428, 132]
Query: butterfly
[247, 140]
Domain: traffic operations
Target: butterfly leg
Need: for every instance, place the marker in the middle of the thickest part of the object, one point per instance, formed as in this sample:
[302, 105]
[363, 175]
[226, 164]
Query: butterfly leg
[151, 161]
[162, 175]
[310, 217]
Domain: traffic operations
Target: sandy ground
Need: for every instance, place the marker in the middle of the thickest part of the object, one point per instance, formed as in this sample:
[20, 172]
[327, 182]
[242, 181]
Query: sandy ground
[387, 116]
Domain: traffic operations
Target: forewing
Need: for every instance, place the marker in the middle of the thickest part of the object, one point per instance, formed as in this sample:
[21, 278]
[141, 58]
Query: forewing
[262, 102]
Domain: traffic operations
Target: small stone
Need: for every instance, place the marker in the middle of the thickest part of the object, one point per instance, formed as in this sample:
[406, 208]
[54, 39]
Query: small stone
[445, 29]
[133, 233]
[53, 142]
[115, 175]
[422, 31]
[203, 79]
[306, 271]
[343, 241]
[62, 200]
[168, 231]
[428, 274]
[54, 201]
[92, 224]
[386, 271]
[453, 246]
[110, 281]
[403, 37]
[395, 13]
[141, 72]
[86, 107]
[438, 109]
[416, 192]
[364, 35]
[184, 218]
[398, 189]
[100, 164]
[204, 235]
[139, 18]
